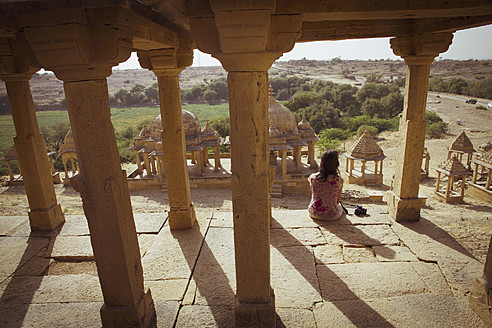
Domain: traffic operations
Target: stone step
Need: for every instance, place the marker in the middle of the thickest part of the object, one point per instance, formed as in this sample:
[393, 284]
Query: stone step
[276, 191]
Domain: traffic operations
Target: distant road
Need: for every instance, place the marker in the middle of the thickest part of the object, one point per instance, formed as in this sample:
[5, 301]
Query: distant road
[460, 97]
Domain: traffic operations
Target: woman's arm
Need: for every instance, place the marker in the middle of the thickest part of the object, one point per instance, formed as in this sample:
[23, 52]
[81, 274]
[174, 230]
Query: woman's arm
[339, 197]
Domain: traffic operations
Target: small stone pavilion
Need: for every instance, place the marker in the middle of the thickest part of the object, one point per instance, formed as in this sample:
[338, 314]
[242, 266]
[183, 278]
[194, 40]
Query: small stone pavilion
[481, 184]
[453, 174]
[81, 41]
[67, 152]
[11, 155]
[364, 150]
[462, 146]
[147, 145]
[425, 163]
[286, 140]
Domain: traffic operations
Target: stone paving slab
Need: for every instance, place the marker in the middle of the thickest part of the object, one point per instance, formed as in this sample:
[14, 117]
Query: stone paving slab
[16, 251]
[75, 225]
[214, 288]
[217, 252]
[368, 280]
[424, 310]
[167, 290]
[430, 243]
[292, 219]
[166, 312]
[388, 253]
[51, 289]
[9, 224]
[222, 220]
[145, 241]
[296, 237]
[291, 317]
[293, 277]
[433, 278]
[48, 315]
[360, 254]
[173, 253]
[368, 235]
[149, 222]
[71, 248]
[199, 316]
[328, 254]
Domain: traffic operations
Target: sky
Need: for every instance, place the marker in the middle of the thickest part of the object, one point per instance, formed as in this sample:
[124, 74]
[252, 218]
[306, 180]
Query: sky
[475, 43]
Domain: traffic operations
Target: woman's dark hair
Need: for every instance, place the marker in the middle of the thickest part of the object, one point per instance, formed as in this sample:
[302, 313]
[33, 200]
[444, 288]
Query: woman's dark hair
[329, 165]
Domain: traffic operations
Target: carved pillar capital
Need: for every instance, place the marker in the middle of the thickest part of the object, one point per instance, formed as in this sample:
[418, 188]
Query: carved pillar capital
[17, 61]
[166, 62]
[421, 49]
[83, 44]
[246, 39]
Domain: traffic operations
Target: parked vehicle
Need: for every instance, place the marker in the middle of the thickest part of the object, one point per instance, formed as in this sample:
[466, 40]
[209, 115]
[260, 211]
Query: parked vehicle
[489, 104]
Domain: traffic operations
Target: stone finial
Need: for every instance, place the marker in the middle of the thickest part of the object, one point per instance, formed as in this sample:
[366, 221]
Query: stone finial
[144, 132]
[453, 167]
[462, 143]
[366, 148]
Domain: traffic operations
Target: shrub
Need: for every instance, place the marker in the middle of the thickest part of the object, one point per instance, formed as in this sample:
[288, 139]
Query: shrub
[325, 144]
[335, 133]
[373, 131]
[210, 96]
[481, 107]
[283, 94]
[437, 129]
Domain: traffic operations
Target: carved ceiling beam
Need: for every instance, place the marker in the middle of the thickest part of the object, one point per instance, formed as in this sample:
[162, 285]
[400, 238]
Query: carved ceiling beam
[357, 29]
[315, 10]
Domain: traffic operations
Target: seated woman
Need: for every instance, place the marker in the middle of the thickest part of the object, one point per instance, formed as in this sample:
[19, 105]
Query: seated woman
[326, 188]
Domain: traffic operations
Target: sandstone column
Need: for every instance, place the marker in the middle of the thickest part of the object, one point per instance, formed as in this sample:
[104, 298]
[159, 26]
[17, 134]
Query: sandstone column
[418, 52]
[166, 65]
[247, 38]
[481, 294]
[82, 58]
[45, 212]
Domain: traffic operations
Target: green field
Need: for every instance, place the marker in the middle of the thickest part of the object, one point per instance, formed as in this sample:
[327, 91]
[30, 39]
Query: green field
[122, 118]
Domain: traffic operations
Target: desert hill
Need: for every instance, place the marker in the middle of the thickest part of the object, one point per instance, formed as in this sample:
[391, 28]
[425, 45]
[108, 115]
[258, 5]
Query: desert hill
[47, 89]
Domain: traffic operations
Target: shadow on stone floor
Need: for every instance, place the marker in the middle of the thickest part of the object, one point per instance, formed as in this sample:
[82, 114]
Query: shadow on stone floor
[207, 276]
[26, 280]
[374, 319]
[429, 229]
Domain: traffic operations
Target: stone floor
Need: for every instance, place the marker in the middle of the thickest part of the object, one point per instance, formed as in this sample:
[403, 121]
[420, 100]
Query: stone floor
[357, 272]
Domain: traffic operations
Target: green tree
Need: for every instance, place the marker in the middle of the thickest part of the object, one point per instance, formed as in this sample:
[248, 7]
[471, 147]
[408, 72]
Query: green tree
[221, 125]
[54, 134]
[210, 96]
[302, 100]
[220, 87]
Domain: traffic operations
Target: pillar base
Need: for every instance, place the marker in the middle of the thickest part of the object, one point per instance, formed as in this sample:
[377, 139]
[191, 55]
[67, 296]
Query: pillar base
[255, 314]
[182, 218]
[46, 219]
[481, 300]
[403, 210]
[143, 316]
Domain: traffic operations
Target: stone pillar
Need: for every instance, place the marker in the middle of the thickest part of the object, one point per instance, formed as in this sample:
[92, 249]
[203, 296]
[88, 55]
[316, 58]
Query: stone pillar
[166, 65]
[283, 161]
[82, 58]
[217, 158]
[481, 294]
[45, 213]
[418, 51]
[247, 38]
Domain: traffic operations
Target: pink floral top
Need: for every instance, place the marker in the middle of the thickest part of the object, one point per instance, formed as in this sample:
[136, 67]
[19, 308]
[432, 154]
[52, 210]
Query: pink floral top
[324, 197]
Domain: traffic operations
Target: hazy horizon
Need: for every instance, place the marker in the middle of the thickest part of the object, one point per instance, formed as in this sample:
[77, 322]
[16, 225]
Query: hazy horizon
[467, 44]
